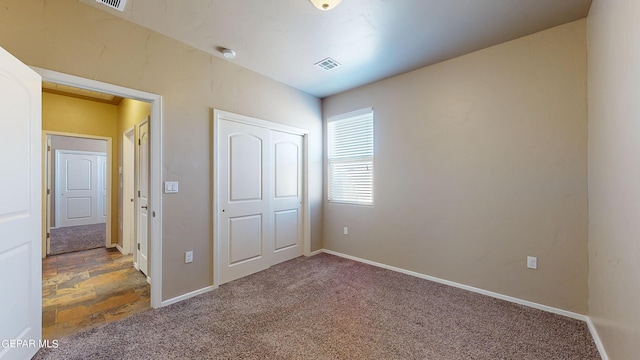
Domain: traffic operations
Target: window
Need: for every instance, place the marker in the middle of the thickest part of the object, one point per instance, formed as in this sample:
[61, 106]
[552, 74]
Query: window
[350, 162]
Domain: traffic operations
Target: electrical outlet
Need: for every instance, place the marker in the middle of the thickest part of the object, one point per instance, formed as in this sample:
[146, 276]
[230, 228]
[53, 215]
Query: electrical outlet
[532, 262]
[346, 230]
[188, 257]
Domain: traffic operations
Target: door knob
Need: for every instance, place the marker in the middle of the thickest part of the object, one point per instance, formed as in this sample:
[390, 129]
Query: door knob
[144, 206]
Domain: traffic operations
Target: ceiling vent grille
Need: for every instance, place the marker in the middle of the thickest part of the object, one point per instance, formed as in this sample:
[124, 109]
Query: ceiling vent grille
[327, 64]
[114, 4]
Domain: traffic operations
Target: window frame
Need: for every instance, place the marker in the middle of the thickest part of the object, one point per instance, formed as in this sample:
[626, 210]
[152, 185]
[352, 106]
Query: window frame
[358, 115]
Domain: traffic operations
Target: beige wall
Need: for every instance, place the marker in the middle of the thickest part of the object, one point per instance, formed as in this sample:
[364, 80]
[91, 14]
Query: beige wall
[75, 38]
[479, 162]
[130, 113]
[85, 117]
[614, 173]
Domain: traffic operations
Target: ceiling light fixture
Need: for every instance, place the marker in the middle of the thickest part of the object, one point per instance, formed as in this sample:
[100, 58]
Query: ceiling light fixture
[228, 53]
[325, 5]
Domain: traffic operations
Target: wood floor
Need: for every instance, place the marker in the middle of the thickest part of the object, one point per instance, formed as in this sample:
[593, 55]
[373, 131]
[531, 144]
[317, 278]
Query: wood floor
[83, 289]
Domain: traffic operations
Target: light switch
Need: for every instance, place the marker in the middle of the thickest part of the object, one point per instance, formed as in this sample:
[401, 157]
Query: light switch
[170, 187]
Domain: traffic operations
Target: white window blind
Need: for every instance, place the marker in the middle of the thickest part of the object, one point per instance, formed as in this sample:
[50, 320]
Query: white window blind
[350, 158]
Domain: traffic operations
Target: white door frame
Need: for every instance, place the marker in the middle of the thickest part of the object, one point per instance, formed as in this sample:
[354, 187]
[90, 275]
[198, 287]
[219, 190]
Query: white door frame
[60, 152]
[155, 193]
[306, 217]
[49, 162]
[138, 213]
[128, 183]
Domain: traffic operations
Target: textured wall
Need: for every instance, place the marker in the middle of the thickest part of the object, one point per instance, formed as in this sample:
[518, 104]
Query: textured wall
[614, 175]
[74, 38]
[480, 161]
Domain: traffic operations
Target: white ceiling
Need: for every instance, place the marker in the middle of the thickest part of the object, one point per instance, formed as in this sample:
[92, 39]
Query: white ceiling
[371, 39]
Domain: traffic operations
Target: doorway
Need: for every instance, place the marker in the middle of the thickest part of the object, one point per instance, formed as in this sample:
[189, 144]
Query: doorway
[154, 199]
[81, 261]
[78, 192]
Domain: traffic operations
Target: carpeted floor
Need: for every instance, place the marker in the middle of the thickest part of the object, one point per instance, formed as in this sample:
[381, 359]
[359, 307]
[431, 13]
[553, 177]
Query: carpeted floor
[77, 238]
[325, 307]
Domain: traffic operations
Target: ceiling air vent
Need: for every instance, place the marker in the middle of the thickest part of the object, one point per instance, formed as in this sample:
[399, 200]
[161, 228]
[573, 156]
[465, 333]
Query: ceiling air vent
[327, 64]
[114, 4]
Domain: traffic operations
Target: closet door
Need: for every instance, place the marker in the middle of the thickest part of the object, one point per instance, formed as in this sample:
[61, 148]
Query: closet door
[286, 196]
[243, 200]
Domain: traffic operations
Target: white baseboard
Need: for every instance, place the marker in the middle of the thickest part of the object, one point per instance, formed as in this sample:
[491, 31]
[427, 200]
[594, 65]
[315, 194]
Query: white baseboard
[149, 280]
[135, 266]
[186, 296]
[314, 253]
[120, 249]
[596, 339]
[464, 287]
[111, 246]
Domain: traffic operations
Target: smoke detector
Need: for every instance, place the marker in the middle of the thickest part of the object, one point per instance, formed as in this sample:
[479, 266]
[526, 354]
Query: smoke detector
[228, 53]
[114, 4]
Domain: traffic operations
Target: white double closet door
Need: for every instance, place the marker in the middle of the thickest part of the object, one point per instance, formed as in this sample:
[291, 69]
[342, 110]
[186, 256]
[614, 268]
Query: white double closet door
[260, 196]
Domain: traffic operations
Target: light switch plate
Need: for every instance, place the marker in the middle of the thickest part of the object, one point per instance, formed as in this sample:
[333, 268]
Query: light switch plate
[170, 187]
[532, 262]
[188, 257]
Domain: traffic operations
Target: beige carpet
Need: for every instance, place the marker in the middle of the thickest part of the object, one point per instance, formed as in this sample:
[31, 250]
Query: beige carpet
[77, 238]
[325, 307]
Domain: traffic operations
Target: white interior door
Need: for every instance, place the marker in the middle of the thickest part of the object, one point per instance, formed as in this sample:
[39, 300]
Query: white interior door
[143, 198]
[20, 206]
[286, 196]
[48, 179]
[128, 186]
[102, 188]
[260, 198]
[78, 195]
[243, 200]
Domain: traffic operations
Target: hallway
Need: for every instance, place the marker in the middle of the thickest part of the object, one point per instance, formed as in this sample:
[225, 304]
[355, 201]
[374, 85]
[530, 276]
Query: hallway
[84, 289]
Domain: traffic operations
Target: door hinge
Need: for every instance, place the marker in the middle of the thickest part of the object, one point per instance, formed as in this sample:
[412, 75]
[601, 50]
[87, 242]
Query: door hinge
[138, 193]
[138, 246]
[48, 191]
[139, 142]
[48, 235]
[48, 148]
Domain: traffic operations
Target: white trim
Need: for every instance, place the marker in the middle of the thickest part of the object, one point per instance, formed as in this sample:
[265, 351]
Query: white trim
[135, 266]
[306, 207]
[110, 246]
[120, 249]
[187, 296]
[596, 339]
[128, 173]
[155, 198]
[225, 115]
[464, 287]
[149, 280]
[306, 220]
[314, 253]
[47, 159]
